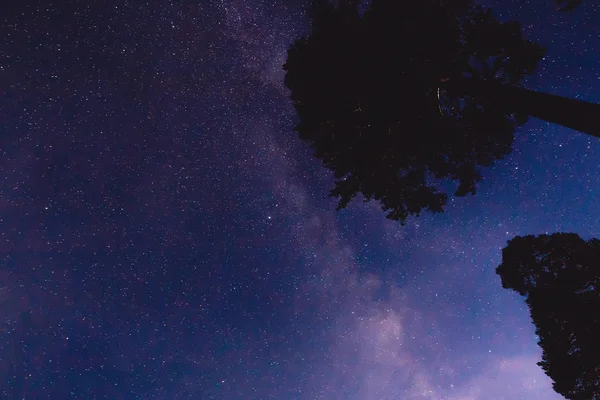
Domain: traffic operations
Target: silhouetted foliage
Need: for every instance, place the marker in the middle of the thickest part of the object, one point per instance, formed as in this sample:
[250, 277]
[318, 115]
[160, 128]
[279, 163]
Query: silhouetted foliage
[407, 95]
[559, 276]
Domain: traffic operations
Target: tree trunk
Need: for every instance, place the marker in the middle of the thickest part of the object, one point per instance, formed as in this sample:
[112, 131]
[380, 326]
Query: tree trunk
[571, 113]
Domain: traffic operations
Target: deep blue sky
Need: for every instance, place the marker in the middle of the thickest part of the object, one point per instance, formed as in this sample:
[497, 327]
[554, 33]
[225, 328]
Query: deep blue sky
[164, 235]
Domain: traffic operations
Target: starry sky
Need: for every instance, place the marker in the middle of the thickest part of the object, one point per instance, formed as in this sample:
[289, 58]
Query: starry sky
[165, 235]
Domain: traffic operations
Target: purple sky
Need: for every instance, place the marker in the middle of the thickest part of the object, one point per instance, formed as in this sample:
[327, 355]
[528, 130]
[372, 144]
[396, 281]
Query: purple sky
[166, 236]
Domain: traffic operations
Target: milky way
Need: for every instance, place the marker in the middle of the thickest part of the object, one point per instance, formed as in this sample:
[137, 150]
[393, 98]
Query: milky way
[165, 235]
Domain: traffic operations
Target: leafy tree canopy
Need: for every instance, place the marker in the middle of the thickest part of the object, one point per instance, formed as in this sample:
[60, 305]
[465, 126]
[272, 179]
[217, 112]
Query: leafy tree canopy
[559, 275]
[369, 91]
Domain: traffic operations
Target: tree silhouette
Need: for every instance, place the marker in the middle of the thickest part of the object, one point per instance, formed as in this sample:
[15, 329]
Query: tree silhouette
[559, 276]
[406, 95]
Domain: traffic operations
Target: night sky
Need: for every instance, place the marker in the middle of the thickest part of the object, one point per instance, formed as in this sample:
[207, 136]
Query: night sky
[165, 235]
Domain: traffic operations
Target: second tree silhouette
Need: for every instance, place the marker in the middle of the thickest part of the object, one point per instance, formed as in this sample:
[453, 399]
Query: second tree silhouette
[559, 276]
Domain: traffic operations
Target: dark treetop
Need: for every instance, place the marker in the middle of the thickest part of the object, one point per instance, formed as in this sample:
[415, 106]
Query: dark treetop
[559, 276]
[401, 98]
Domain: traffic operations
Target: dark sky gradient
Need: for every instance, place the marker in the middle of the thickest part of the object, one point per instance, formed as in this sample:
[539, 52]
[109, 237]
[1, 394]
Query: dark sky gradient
[164, 235]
